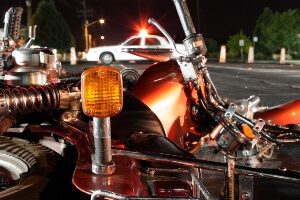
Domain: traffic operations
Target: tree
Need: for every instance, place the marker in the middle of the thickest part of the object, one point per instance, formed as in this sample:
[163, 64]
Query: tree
[211, 45]
[212, 48]
[277, 30]
[264, 32]
[234, 48]
[52, 30]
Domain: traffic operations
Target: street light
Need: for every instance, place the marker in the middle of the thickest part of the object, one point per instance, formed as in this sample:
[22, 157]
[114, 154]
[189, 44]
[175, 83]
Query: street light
[101, 21]
[86, 34]
[98, 40]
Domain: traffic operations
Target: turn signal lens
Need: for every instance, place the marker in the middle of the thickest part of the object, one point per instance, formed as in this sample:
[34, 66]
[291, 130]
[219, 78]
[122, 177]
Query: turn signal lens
[247, 131]
[102, 92]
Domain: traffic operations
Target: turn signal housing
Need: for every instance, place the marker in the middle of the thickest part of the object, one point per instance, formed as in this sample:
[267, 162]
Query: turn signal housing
[101, 91]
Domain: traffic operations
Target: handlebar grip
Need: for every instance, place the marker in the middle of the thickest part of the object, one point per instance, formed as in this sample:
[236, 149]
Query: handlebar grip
[185, 17]
[194, 43]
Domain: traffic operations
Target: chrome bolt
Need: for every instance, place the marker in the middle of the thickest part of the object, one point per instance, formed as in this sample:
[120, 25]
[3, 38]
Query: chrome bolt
[223, 143]
[246, 196]
[151, 172]
[282, 169]
[249, 162]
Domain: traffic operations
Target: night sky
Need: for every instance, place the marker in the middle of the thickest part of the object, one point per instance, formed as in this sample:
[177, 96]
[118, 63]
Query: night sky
[214, 19]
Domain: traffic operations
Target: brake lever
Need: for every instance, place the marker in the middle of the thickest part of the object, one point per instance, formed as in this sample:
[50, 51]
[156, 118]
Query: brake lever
[165, 33]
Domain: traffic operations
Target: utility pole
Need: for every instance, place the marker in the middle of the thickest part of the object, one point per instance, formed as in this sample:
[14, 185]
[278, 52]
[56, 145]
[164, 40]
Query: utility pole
[29, 12]
[85, 26]
[198, 15]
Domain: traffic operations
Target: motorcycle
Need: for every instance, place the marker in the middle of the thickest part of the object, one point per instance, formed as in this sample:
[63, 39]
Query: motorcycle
[166, 135]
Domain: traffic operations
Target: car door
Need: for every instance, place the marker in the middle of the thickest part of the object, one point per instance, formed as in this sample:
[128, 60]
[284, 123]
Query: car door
[157, 49]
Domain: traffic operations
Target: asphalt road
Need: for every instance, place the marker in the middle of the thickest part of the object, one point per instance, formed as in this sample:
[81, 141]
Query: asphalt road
[273, 83]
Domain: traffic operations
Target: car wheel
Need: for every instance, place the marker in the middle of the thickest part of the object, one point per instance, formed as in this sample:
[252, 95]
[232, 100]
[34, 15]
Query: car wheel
[107, 58]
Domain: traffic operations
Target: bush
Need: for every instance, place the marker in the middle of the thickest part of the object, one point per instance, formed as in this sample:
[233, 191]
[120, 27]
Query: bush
[234, 48]
[211, 45]
[212, 48]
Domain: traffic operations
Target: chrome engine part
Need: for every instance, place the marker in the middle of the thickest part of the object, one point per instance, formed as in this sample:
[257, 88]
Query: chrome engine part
[12, 22]
[25, 66]
[26, 100]
[1, 65]
[130, 77]
[32, 66]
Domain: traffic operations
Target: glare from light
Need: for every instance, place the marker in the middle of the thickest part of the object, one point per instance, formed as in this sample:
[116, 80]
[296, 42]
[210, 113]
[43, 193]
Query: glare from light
[143, 33]
[102, 37]
[101, 21]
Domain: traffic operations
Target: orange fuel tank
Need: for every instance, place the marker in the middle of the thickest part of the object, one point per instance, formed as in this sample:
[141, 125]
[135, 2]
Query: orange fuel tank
[288, 113]
[161, 88]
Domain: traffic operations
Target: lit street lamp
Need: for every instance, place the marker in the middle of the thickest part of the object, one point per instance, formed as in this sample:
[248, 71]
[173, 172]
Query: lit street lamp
[86, 34]
[101, 21]
[98, 40]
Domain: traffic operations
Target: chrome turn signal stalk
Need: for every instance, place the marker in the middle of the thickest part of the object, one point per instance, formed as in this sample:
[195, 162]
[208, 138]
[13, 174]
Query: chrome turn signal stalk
[102, 97]
[102, 158]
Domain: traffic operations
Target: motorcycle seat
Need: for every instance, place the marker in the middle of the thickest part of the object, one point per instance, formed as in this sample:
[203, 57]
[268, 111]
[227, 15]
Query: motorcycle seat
[140, 129]
[154, 143]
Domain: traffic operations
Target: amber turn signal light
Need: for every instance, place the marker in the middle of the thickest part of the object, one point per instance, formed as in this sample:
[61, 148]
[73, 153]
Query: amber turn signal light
[101, 91]
[248, 131]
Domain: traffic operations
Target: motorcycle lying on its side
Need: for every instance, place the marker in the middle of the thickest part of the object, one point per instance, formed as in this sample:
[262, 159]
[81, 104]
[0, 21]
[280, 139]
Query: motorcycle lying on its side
[168, 136]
